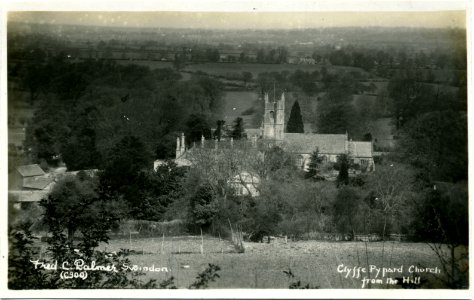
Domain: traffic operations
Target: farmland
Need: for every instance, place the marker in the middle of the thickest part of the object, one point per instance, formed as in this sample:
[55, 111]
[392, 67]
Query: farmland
[262, 264]
[223, 69]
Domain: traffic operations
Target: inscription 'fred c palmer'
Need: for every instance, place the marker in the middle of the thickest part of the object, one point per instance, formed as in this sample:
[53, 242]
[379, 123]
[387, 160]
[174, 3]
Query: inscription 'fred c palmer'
[79, 265]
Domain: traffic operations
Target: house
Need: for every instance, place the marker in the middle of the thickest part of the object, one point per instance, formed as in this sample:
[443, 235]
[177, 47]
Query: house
[31, 184]
[361, 153]
[245, 184]
[24, 172]
[28, 184]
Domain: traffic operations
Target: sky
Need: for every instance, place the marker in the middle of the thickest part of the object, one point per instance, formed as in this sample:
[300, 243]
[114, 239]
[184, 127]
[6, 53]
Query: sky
[245, 20]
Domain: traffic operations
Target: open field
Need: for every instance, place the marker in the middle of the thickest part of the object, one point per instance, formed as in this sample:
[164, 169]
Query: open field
[237, 102]
[152, 64]
[262, 265]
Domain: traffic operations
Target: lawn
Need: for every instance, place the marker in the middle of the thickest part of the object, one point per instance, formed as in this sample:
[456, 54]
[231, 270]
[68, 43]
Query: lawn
[262, 265]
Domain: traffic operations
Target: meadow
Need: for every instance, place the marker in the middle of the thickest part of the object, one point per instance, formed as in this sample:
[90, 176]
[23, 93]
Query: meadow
[237, 102]
[262, 264]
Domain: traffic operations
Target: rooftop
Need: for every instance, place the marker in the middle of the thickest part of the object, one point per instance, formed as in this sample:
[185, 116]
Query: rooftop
[308, 143]
[38, 183]
[30, 170]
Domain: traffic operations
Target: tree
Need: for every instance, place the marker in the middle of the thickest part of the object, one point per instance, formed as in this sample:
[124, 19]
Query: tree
[158, 191]
[391, 185]
[196, 127]
[295, 122]
[203, 206]
[123, 174]
[79, 151]
[238, 130]
[335, 117]
[247, 77]
[263, 218]
[313, 167]
[343, 167]
[21, 253]
[74, 205]
[347, 214]
[436, 144]
[442, 221]
[219, 130]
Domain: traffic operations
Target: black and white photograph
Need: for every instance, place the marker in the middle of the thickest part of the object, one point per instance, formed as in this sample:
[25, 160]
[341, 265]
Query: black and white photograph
[250, 149]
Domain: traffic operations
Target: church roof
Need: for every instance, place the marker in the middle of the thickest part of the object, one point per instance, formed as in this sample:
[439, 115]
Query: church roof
[360, 149]
[307, 143]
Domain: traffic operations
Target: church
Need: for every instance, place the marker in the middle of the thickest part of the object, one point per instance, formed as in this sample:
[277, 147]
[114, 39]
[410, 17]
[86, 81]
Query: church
[302, 145]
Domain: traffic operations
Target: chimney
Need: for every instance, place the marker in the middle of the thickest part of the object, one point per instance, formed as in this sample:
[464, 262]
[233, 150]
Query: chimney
[178, 148]
[183, 149]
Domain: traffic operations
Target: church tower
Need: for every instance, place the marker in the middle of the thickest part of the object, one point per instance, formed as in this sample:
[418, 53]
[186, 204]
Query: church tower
[274, 119]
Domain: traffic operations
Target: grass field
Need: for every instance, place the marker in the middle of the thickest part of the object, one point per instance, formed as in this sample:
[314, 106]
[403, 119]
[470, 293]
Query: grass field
[237, 102]
[262, 265]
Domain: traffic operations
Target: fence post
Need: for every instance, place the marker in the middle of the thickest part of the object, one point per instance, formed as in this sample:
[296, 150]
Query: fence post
[202, 242]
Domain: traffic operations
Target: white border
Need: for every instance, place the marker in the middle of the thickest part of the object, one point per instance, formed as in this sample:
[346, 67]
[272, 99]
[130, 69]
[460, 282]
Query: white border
[216, 6]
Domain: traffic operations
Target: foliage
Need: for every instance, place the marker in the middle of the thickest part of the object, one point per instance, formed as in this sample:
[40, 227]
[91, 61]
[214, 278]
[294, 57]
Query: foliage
[297, 284]
[295, 122]
[262, 220]
[436, 144]
[442, 216]
[334, 117]
[347, 211]
[203, 206]
[79, 151]
[197, 126]
[21, 251]
[392, 186]
[343, 165]
[219, 132]
[86, 107]
[158, 191]
[74, 205]
[122, 176]
[238, 131]
[277, 164]
[314, 165]
[205, 277]
[442, 221]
